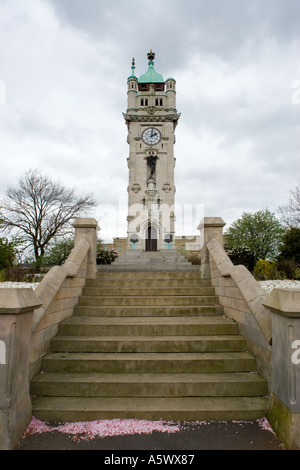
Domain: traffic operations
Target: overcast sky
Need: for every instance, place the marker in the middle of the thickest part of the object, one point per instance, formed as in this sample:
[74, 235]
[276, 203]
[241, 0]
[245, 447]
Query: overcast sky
[64, 66]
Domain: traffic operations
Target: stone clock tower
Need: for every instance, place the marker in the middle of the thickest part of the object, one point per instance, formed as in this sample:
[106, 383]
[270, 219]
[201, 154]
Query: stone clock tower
[151, 119]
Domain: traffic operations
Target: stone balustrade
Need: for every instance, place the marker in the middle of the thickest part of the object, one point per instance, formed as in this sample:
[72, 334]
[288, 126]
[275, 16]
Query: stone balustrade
[271, 325]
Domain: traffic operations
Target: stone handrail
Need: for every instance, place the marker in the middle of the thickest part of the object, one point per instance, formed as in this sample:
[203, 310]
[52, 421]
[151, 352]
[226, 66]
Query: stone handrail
[54, 279]
[59, 291]
[249, 288]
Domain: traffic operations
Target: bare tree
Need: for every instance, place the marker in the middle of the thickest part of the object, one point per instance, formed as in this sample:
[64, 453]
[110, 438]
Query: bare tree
[39, 209]
[290, 212]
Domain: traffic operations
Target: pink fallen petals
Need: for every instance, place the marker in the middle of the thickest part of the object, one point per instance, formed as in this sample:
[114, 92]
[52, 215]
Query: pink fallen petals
[37, 427]
[264, 424]
[103, 428]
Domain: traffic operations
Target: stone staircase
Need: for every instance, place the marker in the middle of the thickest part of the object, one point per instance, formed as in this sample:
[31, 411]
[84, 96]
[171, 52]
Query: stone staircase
[148, 346]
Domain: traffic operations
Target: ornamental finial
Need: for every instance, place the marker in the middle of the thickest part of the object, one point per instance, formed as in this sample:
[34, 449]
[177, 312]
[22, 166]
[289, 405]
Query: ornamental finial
[151, 56]
[132, 67]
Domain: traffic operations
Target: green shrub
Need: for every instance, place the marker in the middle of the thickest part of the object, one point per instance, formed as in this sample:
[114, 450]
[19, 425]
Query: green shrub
[297, 274]
[20, 274]
[290, 247]
[241, 255]
[287, 268]
[194, 258]
[7, 253]
[58, 252]
[106, 257]
[265, 269]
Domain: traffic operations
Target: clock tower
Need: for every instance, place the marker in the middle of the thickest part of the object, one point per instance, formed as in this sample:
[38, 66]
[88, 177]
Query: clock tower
[151, 119]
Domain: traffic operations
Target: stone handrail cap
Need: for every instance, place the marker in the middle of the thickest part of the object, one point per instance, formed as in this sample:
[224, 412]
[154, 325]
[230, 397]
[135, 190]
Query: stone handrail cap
[211, 222]
[18, 300]
[285, 302]
[85, 223]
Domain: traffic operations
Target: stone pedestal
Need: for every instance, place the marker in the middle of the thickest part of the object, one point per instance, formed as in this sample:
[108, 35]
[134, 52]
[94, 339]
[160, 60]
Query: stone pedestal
[16, 310]
[284, 410]
[210, 228]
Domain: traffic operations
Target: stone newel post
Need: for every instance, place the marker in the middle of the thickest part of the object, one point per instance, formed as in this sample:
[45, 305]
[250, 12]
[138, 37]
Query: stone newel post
[86, 229]
[284, 409]
[210, 227]
[16, 310]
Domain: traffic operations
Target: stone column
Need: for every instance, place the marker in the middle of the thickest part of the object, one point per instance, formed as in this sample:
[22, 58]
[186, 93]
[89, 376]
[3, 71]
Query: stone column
[87, 229]
[209, 227]
[284, 408]
[16, 310]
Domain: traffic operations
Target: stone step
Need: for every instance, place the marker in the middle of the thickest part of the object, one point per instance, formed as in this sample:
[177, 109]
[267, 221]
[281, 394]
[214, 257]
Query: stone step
[147, 326]
[150, 267]
[68, 409]
[175, 275]
[148, 343]
[122, 281]
[149, 362]
[147, 300]
[135, 291]
[139, 311]
[148, 385]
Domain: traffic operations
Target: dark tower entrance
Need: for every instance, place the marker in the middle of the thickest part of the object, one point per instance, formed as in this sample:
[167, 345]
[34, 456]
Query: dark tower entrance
[151, 239]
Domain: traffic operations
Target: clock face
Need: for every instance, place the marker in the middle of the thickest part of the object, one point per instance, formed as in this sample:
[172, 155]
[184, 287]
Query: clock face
[151, 136]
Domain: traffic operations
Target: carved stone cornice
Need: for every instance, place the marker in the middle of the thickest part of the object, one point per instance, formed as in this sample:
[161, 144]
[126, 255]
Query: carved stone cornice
[174, 117]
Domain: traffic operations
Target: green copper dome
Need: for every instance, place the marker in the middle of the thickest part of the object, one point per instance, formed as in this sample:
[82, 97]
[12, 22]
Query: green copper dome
[151, 76]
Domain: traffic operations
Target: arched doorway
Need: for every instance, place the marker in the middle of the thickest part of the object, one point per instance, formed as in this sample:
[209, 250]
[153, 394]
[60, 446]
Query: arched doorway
[151, 239]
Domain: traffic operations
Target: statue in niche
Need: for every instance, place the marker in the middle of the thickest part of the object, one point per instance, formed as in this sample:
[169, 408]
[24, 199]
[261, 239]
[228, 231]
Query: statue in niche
[151, 161]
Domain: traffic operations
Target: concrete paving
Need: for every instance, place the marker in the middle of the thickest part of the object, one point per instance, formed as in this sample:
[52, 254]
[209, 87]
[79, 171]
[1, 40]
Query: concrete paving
[214, 435]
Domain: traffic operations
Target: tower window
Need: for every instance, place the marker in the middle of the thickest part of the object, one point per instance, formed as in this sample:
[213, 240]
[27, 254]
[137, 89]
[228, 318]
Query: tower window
[142, 102]
[158, 101]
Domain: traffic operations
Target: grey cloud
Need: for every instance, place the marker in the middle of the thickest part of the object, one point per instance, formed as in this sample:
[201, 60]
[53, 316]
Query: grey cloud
[216, 26]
